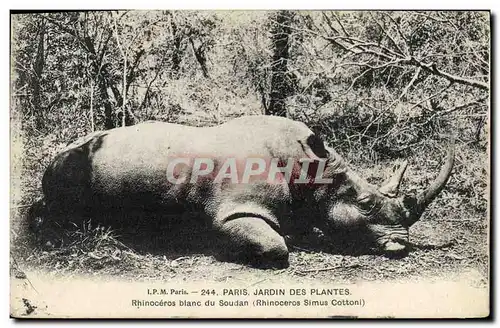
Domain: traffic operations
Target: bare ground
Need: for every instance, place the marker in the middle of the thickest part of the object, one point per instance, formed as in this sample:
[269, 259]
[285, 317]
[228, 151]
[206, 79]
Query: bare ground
[441, 247]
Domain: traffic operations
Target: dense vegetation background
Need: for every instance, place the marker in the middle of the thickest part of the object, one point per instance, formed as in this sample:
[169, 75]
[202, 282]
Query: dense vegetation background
[378, 86]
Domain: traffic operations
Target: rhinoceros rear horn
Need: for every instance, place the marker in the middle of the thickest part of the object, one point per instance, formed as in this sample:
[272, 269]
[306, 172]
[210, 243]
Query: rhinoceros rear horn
[390, 187]
[422, 200]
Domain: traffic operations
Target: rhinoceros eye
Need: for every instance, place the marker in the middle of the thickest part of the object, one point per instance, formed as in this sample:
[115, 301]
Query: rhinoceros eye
[365, 202]
[365, 198]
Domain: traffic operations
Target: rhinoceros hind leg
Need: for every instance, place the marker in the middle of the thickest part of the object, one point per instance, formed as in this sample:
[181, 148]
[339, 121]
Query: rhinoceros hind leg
[253, 241]
[65, 186]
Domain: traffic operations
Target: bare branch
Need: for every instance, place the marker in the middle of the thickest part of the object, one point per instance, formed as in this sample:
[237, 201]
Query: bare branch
[391, 57]
[405, 91]
[432, 96]
[484, 62]
[356, 79]
[366, 64]
[150, 84]
[429, 16]
[402, 53]
[397, 26]
[419, 26]
[415, 77]
[329, 23]
[432, 68]
[64, 28]
[340, 24]
[362, 44]
[472, 103]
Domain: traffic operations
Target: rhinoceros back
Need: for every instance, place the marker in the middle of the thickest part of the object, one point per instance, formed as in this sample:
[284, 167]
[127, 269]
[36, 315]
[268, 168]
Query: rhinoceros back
[121, 167]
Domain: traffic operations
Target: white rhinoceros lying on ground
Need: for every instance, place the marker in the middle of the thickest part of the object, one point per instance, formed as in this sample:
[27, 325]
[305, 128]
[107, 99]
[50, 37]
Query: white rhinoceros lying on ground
[251, 176]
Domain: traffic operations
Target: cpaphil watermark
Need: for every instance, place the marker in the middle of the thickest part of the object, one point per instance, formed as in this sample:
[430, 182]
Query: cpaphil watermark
[182, 170]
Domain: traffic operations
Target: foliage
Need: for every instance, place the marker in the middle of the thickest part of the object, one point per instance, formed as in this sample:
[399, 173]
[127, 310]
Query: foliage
[391, 80]
[388, 79]
[376, 85]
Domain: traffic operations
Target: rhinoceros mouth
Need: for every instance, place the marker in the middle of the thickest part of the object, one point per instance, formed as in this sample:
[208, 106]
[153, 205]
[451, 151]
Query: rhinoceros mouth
[394, 246]
[390, 238]
[395, 250]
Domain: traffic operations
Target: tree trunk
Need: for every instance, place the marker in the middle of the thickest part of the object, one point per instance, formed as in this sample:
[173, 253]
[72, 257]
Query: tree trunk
[102, 79]
[92, 125]
[109, 122]
[36, 79]
[281, 87]
[123, 51]
[124, 90]
[199, 53]
[177, 53]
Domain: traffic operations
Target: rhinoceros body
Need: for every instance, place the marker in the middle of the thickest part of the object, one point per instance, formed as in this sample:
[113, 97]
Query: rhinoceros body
[127, 169]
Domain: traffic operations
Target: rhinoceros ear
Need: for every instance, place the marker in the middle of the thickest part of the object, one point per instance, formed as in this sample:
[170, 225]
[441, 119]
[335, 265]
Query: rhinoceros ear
[317, 146]
[314, 148]
[390, 187]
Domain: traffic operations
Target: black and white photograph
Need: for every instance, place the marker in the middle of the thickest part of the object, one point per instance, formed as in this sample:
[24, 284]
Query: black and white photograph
[250, 164]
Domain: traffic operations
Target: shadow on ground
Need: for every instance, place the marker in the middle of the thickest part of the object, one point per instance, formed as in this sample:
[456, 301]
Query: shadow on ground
[176, 235]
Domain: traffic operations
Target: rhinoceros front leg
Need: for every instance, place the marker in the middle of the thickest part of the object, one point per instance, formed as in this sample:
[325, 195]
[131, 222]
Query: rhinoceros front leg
[252, 240]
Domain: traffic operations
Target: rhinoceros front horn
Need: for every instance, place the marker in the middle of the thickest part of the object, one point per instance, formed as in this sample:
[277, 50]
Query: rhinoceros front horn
[422, 200]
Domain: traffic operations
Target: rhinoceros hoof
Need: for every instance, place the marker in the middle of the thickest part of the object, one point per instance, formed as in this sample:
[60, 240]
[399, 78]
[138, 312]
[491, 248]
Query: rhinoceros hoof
[275, 257]
[272, 257]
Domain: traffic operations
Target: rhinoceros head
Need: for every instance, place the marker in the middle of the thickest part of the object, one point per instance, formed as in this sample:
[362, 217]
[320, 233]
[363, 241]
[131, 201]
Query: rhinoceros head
[380, 212]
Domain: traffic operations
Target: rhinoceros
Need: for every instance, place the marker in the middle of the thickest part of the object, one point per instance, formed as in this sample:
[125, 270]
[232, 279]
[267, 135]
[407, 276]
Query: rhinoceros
[156, 166]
